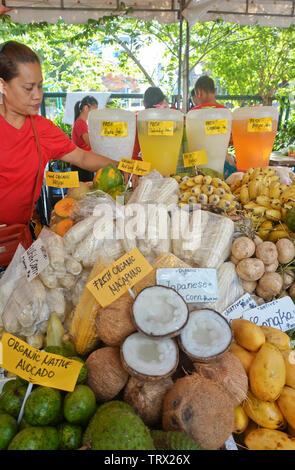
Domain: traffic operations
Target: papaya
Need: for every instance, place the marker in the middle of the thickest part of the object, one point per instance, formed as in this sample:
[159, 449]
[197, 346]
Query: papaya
[107, 178]
[63, 226]
[117, 191]
[65, 207]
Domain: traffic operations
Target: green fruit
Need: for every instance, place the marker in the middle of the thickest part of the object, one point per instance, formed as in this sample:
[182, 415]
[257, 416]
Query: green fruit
[290, 219]
[24, 424]
[83, 372]
[107, 178]
[173, 440]
[70, 436]
[8, 429]
[104, 409]
[57, 350]
[36, 438]
[79, 405]
[43, 406]
[11, 400]
[119, 429]
[116, 191]
[10, 385]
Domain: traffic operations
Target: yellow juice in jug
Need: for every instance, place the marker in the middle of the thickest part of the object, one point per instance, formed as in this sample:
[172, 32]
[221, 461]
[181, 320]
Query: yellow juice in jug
[160, 150]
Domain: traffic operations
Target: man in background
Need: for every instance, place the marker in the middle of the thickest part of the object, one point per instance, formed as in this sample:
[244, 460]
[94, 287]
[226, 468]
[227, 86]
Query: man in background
[204, 94]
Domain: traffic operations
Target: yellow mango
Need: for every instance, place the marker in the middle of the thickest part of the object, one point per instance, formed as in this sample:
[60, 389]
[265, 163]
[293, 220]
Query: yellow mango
[289, 357]
[265, 413]
[276, 337]
[246, 357]
[241, 420]
[267, 374]
[269, 439]
[286, 402]
[247, 334]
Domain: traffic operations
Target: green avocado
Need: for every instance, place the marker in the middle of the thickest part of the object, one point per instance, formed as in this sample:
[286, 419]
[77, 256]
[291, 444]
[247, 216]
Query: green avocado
[10, 385]
[79, 405]
[36, 438]
[11, 400]
[83, 372]
[70, 436]
[43, 406]
[8, 429]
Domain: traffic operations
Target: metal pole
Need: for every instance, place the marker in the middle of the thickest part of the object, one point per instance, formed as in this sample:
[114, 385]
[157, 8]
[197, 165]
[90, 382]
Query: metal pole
[185, 100]
[179, 60]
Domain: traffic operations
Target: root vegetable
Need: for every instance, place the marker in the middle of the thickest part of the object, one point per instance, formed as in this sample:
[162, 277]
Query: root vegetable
[229, 372]
[271, 268]
[201, 408]
[249, 286]
[257, 240]
[292, 291]
[106, 375]
[234, 260]
[146, 398]
[286, 250]
[243, 247]
[288, 279]
[267, 252]
[270, 285]
[250, 269]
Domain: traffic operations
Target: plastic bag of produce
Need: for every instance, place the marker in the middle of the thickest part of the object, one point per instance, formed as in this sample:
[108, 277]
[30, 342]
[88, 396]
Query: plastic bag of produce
[155, 188]
[86, 207]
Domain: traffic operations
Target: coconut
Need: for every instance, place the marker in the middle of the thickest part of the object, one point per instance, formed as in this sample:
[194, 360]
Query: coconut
[159, 311]
[206, 335]
[146, 398]
[201, 408]
[229, 371]
[114, 323]
[106, 375]
[149, 358]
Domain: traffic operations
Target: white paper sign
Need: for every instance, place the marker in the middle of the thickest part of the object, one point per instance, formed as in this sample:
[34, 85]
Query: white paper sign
[193, 284]
[35, 259]
[279, 314]
[243, 304]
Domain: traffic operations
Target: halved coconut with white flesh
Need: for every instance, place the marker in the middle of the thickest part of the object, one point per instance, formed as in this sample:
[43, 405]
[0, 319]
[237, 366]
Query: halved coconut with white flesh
[206, 335]
[148, 358]
[159, 311]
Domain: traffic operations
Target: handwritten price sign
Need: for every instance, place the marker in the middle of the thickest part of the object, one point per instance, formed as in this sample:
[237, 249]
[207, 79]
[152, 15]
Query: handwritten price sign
[113, 129]
[68, 179]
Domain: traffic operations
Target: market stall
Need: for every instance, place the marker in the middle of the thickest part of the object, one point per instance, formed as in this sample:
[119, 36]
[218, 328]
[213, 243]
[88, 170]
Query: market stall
[166, 311]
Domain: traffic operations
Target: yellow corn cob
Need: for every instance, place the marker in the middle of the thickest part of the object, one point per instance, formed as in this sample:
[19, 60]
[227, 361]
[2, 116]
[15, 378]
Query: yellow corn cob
[263, 201]
[207, 179]
[273, 214]
[207, 189]
[196, 190]
[198, 179]
[244, 195]
[82, 328]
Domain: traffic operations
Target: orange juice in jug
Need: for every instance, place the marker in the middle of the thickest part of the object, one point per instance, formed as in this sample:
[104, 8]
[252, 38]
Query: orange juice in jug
[254, 130]
[160, 134]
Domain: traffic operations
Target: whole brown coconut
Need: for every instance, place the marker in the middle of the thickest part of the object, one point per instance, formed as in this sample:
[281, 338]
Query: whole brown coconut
[201, 408]
[114, 323]
[147, 398]
[229, 371]
[106, 375]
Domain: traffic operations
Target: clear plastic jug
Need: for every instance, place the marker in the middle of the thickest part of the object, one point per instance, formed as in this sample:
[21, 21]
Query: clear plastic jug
[112, 132]
[159, 135]
[254, 130]
[209, 129]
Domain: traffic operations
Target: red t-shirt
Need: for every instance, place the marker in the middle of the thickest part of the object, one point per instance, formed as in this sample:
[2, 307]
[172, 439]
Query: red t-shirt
[208, 105]
[19, 163]
[79, 128]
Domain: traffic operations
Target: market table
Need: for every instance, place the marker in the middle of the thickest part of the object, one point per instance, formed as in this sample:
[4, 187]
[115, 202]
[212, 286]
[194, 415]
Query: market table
[277, 158]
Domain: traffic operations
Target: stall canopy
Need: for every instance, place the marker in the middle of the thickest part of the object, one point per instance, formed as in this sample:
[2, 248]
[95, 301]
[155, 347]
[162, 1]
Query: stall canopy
[265, 12]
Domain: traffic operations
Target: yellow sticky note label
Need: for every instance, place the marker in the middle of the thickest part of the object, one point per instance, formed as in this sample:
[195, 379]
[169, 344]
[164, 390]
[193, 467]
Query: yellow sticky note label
[120, 276]
[67, 179]
[259, 124]
[126, 165]
[198, 157]
[216, 126]
[38, 367]
[113, 129]
[160, 128]
[141, 168]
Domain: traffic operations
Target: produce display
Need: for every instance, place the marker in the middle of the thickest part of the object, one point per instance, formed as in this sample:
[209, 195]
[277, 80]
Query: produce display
[158, 372]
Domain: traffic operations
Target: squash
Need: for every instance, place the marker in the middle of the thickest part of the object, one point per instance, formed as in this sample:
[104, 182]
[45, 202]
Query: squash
[65, 207]
[63, 226]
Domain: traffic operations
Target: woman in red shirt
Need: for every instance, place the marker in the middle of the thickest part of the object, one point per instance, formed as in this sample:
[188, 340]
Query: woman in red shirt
[21, 87]
[80, 134]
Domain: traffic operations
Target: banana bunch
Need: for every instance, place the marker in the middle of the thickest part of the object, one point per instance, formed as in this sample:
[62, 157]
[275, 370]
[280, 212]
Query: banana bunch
[266, 201]
[201, 189]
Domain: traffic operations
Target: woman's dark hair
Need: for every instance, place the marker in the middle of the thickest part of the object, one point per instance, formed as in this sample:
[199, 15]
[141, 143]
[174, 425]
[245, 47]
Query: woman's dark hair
[13, 53]
[153, 95]
[205, 83]
[86, 101]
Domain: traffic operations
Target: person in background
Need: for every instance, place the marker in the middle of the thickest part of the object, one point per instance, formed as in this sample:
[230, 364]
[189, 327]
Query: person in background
[204, 97]
[80, 134]
[21, 93]
[204, 94]
[153, 98]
